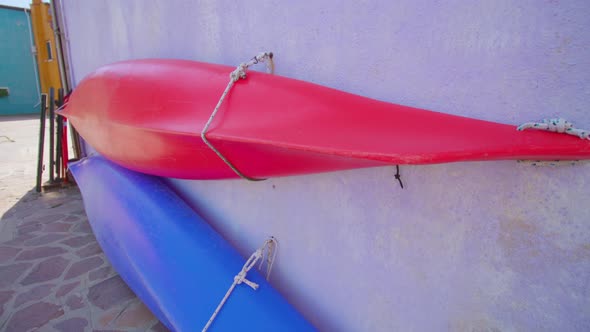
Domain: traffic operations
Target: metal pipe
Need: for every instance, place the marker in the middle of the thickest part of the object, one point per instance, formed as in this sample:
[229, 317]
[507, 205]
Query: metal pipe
[58, 146]
[41, 142]
[51, 134]
[59, 132]
[58, 47]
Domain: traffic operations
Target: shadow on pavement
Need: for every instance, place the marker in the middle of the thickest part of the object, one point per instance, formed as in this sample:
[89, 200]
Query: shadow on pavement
[53, 274]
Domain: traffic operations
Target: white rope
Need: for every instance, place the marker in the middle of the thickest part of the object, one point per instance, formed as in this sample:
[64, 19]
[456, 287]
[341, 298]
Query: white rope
[234, 76]
[268, 249]
[557, 125]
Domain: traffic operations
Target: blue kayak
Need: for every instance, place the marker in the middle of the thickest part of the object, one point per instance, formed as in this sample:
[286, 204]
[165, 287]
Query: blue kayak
[172, 259]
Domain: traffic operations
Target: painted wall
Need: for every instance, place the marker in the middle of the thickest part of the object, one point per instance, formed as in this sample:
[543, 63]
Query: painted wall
[468, 246]
[17, 65]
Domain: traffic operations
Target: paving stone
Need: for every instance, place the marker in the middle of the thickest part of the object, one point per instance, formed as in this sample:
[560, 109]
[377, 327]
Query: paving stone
[74, 302]
[40, 252]
[79, 212]
[49, 269]
[45, 239]
[82, 227]
[7, 253]
[9, 274]
[78, 241]
[101, 273]
[28, 228]
[42, 219]
[107, 317]
[35, 293]
[5, 296]
[107, 294]
[135, 316]
[30, 220]
[65, 289]
[34, 316]
[54, 201]
[30, 196]
[75, 324]
[19, 240]
[57, 227]
[63, 209]
[8, 214]
[83, 266]
[23, 213]
[90, 250]
[159, 327]
[71, 219]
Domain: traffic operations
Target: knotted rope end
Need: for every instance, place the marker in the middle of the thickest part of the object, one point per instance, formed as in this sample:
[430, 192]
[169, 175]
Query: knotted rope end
[556, 125]
[269, 247]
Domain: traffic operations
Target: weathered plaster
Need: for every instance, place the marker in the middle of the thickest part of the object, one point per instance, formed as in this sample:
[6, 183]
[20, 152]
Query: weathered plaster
[468, 246]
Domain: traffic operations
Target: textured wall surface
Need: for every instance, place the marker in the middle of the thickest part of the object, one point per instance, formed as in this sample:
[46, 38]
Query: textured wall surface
[17, 71]
[467, 246]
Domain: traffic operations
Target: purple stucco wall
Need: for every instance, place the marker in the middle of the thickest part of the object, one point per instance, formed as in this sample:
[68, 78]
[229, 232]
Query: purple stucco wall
[468, 246]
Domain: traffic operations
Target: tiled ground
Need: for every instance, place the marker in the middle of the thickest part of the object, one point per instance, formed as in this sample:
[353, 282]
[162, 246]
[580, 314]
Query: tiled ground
[53, 275]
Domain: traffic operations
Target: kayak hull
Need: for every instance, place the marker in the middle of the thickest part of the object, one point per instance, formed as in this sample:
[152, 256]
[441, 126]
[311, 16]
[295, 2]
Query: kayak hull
[148, 115]
[174, 261]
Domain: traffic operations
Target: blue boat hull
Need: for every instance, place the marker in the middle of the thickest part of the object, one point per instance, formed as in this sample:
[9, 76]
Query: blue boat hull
[173, 260]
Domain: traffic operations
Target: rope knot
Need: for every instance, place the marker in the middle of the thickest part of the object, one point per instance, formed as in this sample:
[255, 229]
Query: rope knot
[268, 248]
[556, 125]
[241, 278]
[239, 72]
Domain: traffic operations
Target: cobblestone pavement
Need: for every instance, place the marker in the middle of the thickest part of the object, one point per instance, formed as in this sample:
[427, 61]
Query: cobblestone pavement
[53, 274]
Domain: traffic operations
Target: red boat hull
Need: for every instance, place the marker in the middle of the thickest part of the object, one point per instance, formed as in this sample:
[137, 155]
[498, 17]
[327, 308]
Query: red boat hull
[147, 115]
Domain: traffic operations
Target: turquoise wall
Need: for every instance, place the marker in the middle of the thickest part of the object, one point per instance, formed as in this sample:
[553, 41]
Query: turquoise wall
[16, 64]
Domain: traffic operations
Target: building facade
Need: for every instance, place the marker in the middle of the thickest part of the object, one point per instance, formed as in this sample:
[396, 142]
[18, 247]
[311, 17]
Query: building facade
[18, 77]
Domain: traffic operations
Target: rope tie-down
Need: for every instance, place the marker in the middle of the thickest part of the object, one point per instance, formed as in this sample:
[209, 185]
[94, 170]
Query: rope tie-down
[556, 125]
[268, 249]
[234, 76]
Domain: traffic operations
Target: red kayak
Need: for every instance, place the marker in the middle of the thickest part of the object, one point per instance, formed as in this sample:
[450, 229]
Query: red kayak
[147, 115]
